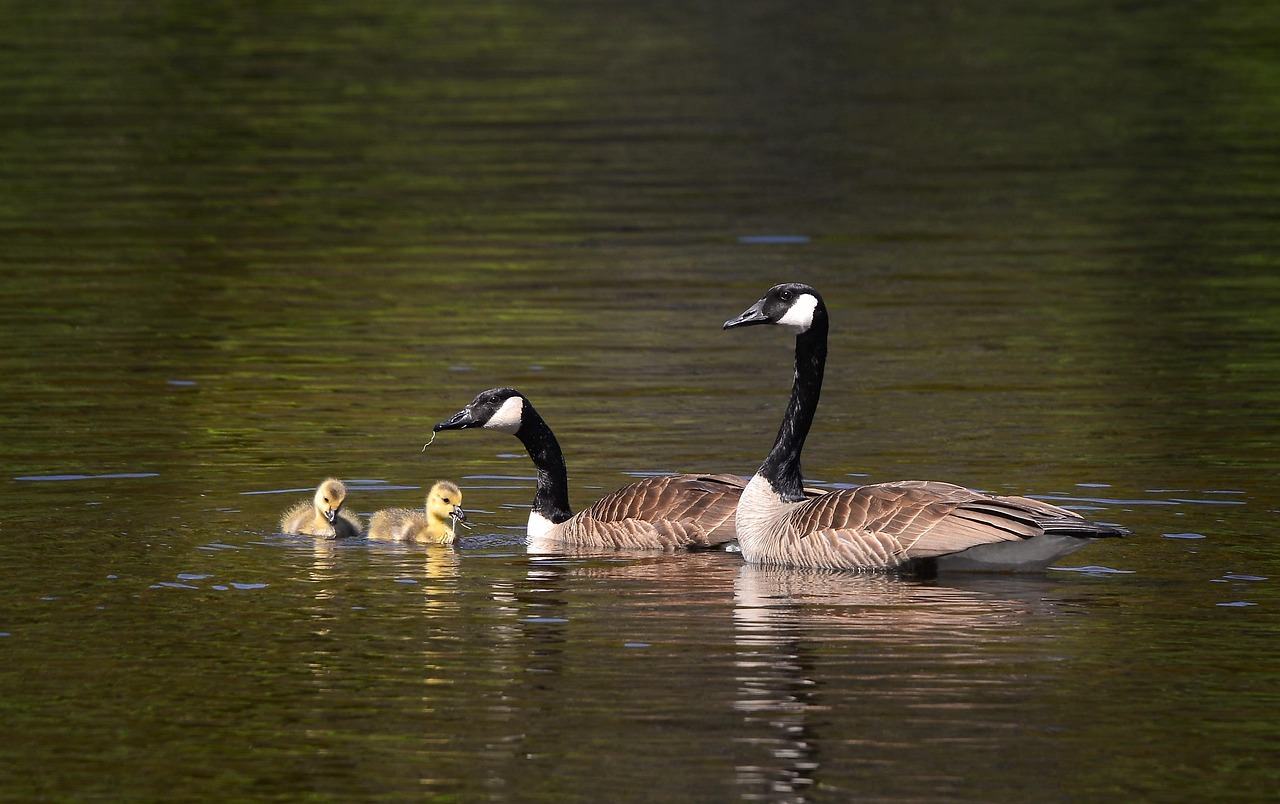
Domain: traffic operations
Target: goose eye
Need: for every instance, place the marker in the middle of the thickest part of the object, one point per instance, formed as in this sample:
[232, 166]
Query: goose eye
[326, 499]
[785, 295]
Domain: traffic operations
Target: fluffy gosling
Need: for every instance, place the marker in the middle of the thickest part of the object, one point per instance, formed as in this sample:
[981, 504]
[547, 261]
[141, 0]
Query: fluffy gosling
[322, 516]
[435, 524]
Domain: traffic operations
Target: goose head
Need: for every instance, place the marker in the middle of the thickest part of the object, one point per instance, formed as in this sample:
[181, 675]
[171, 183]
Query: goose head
[792, 305]
[329, 498]
[500, 409]
[444, 504]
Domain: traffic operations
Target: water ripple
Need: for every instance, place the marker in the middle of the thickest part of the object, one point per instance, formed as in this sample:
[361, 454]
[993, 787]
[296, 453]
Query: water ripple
[112, 476]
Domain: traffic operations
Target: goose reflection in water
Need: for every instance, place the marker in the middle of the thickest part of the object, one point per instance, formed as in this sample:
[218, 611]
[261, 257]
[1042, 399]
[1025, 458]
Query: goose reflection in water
[814, 644]
[817, 667]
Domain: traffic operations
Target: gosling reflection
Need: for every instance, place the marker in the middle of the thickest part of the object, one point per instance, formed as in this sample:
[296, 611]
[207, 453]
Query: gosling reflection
[322, 571]
[430, 570]
[437, 569]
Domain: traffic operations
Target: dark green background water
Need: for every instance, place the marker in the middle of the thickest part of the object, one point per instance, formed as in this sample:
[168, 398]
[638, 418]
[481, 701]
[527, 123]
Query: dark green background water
[247, 246]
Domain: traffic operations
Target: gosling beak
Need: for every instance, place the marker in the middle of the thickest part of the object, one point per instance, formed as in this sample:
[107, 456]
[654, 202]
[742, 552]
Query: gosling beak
[459, 516]
[331, 515]
[753, 315]
[458, 421]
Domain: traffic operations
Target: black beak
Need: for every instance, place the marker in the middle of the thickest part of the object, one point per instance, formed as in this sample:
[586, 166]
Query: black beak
[459, 516]
[753, 315]
[458, 421]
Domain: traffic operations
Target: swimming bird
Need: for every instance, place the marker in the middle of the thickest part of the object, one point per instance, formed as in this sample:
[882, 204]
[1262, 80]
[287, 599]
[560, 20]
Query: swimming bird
[909, 525]
[667, 512]
[434, 524]
[322, 515]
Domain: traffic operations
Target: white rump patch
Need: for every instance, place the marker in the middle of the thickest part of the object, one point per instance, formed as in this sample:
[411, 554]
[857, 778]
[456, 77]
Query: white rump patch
[1029, 555]
[539, 525]
[800, 315]
[508, 417]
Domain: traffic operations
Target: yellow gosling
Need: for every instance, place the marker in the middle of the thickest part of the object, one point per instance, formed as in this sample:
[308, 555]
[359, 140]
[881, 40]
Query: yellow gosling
[433, 525]
[322, 516]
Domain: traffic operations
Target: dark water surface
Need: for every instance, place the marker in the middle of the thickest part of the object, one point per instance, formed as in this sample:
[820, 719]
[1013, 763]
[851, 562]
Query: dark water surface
[245, 247]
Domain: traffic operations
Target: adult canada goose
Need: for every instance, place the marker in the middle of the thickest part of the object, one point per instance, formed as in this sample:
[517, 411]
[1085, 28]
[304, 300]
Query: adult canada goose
[322, 515]
[668, 512]
[912, 525]
[435, 524]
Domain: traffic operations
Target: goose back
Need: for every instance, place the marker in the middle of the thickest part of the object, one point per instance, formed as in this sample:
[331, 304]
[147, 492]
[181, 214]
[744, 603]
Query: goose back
[668, 512]
[903, 523]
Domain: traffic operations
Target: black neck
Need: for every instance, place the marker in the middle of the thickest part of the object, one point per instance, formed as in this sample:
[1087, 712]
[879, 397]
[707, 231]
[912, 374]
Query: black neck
[782, 467]
[551, 500]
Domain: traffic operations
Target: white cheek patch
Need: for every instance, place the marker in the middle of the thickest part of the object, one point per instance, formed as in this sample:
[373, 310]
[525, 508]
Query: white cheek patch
[800, 316]
[507, 418]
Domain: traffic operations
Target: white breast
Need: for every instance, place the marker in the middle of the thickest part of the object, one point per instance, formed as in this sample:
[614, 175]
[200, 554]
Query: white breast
[761, 514]
[539, 525]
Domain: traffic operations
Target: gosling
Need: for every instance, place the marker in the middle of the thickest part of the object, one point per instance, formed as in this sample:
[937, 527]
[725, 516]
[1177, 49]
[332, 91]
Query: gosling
[435, 524]
[323, 516]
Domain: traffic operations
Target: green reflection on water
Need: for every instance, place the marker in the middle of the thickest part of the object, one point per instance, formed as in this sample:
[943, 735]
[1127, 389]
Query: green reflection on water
[245, 247]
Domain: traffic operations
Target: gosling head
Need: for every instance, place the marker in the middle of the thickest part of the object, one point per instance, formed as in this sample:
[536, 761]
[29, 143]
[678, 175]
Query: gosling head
[793, 306]
[444, 504]
[329, 498]
[500, 409]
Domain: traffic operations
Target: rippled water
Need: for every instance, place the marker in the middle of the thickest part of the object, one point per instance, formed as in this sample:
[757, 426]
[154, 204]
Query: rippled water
[248, 248]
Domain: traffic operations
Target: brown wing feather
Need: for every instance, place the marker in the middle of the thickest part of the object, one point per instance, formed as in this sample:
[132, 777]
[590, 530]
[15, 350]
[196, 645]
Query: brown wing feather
[891, 523]
[668, 512]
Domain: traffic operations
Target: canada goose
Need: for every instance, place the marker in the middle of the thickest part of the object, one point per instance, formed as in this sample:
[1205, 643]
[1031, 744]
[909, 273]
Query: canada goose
[322, 515]
[668, 512]
[434, 524]
[913, 525]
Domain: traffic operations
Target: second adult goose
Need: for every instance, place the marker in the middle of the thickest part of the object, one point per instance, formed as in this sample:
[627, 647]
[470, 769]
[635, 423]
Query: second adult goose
[913, 525]
[668, 512]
